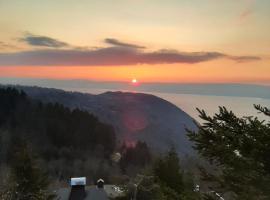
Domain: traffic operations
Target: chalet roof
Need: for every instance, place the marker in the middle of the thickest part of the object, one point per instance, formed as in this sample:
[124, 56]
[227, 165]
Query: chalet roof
[78, 181]
[100, 180]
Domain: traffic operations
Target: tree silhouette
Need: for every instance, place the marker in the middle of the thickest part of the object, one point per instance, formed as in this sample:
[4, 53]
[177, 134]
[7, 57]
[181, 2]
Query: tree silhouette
[168, 171]
[27, 181]
[239, 148]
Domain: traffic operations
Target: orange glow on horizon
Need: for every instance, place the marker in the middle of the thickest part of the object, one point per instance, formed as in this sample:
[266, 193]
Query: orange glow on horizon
[207, 72]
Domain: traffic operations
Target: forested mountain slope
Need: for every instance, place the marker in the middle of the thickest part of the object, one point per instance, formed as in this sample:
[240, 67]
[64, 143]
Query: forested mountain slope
[135, 116]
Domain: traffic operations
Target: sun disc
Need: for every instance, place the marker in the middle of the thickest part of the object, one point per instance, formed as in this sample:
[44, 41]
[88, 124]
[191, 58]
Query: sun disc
[134, 80]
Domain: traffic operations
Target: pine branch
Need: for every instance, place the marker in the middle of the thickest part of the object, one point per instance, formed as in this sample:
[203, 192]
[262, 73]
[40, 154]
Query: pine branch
[263, 110]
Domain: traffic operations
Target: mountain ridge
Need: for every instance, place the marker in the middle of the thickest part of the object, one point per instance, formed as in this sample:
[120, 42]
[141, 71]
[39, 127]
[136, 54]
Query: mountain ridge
[135, 116]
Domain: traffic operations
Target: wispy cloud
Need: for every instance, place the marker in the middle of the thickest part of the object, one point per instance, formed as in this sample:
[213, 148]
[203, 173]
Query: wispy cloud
[246, 13]
[248, 10]
[43, 41]
[116, 42]
[244, 58]
[7, 46]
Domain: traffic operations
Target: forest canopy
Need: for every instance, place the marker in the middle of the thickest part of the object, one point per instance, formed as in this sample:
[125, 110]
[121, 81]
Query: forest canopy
[60, 136]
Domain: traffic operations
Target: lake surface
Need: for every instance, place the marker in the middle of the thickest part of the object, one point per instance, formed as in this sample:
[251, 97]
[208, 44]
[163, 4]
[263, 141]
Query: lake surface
[241, 106]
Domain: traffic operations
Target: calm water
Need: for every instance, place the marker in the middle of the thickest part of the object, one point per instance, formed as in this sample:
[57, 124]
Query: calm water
[241, 106]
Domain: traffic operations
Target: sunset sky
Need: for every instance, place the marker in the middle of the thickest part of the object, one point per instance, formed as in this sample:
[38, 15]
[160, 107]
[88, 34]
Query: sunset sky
[185, 41]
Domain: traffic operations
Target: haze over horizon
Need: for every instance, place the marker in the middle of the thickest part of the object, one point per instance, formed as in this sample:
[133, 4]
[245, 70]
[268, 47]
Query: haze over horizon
[152, 41]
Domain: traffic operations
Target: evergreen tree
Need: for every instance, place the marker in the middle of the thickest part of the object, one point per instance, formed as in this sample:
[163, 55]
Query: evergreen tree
[27, 181]
[60, 135]
[171, 181]
[139, 155]
[239, 149]
[147, 189]
[167, 171]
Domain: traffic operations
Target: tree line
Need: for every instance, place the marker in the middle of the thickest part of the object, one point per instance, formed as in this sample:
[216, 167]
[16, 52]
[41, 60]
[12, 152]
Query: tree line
[65, 140]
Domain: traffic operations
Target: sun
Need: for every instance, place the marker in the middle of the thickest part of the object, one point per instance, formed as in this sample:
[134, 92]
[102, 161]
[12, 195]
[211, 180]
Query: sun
[134, 80]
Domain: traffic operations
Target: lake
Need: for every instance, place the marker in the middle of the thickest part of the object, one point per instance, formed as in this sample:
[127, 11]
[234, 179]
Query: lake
[241, 106]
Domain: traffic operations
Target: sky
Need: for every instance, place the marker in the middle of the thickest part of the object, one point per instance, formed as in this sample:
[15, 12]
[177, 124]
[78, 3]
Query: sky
[181, 41]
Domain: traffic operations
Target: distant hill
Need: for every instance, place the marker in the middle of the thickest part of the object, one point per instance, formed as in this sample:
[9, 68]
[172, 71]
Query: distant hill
[135, 116]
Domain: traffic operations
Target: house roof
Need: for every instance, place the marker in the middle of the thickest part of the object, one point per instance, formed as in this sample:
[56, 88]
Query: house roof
[100, 180]
[78, 181]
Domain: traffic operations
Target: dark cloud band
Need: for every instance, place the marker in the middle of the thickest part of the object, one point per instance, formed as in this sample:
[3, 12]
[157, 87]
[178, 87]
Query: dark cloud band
[63, 54]
[110, 56]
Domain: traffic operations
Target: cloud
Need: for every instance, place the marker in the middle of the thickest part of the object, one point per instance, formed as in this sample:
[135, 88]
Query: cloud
[116, 42]
[110, 56]
[120, 53]
[246, 13]
[248, 10]
[43, 41]
[4, 46]
[244, 58]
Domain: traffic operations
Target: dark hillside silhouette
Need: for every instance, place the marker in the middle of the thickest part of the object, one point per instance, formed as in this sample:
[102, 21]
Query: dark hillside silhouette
[61, 136]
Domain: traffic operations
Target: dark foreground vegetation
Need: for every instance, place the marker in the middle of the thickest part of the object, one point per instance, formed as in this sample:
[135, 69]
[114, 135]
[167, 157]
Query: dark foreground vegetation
[43, 145]
[61, 142]
[61, 137]
[239, 148]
